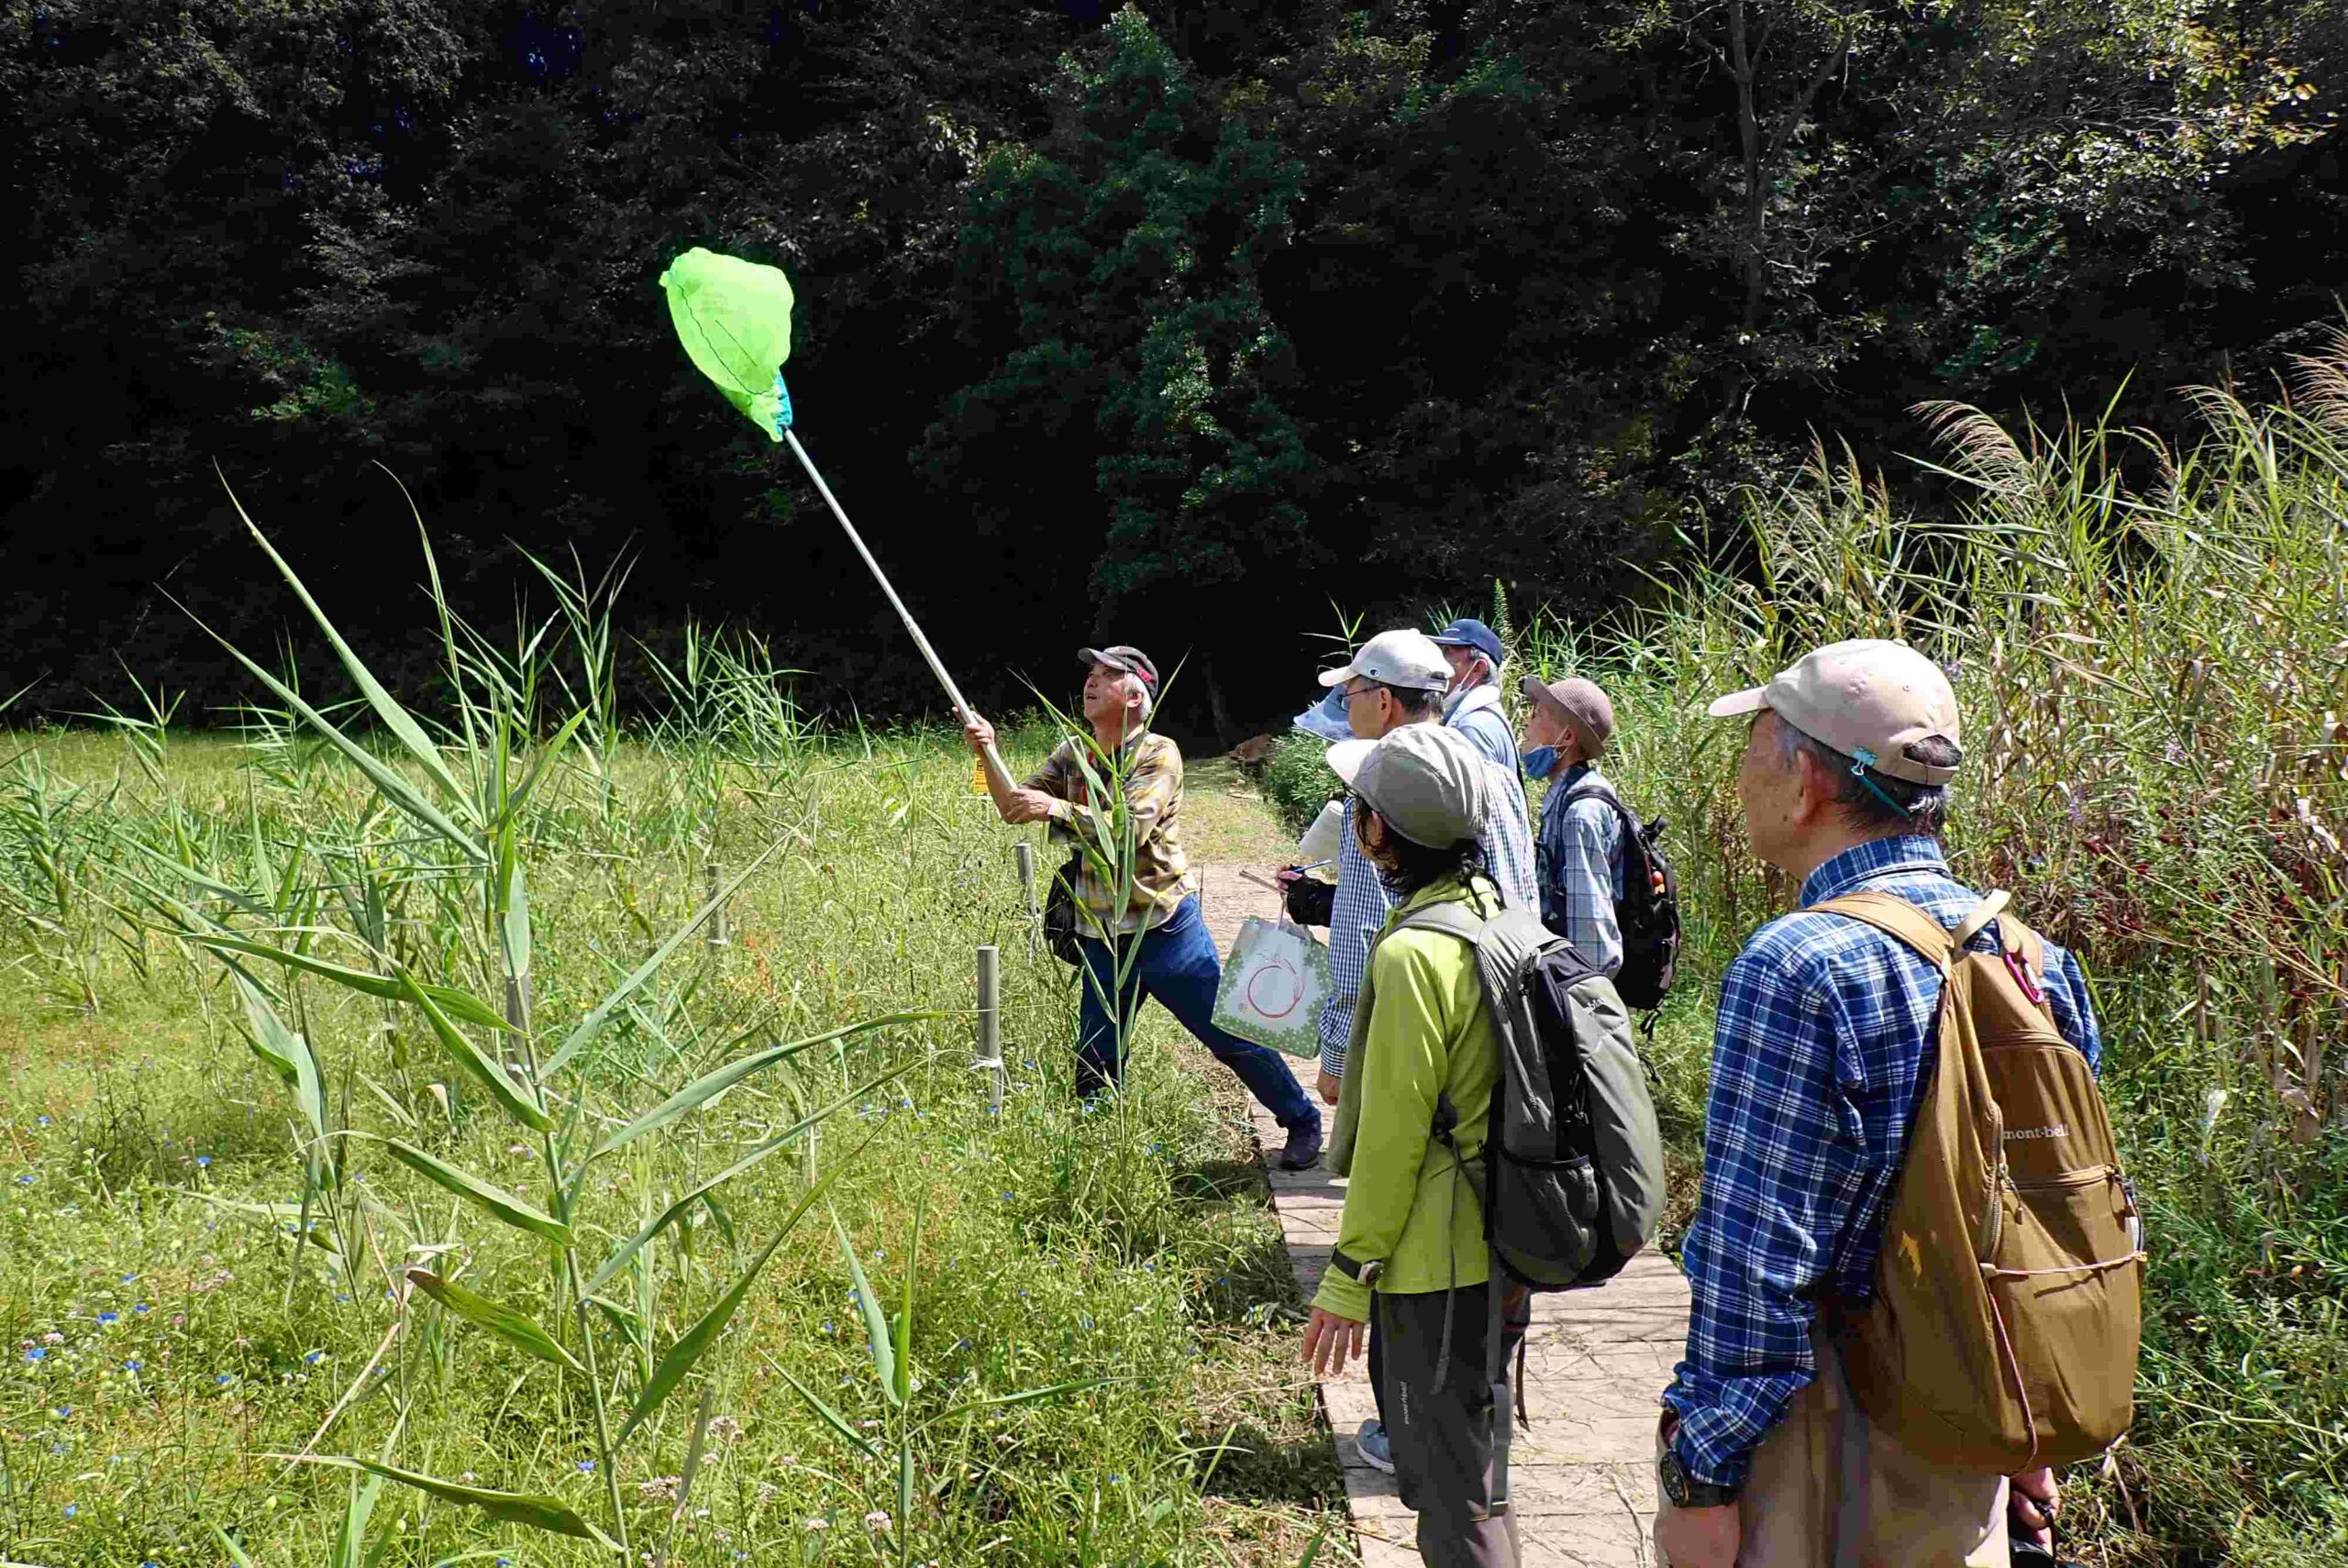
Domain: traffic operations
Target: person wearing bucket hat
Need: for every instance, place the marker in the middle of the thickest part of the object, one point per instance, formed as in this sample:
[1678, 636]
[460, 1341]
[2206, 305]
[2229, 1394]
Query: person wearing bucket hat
[1156, 905]
[1411, 1229]
[1825, 1042]
[1567, 725]
[1395, 683]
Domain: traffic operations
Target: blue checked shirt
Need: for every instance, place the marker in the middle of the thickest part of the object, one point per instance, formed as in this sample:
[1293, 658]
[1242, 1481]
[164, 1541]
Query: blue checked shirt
[1823, 1047]
[1582, 870]
[1358, 908]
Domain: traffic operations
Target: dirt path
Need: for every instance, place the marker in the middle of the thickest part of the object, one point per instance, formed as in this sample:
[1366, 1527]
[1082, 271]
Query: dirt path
[1584, 1475]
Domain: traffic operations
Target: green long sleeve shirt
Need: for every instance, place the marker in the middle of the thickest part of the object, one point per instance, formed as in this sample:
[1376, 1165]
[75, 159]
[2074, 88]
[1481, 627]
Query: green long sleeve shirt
[1428, 1034]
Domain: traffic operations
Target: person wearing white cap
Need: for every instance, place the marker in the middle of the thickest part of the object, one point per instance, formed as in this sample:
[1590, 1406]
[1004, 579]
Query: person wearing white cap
[1824, 1044]
[1412, 1228]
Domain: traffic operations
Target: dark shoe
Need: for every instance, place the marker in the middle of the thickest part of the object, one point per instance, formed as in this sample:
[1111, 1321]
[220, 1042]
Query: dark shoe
[1303, 1151]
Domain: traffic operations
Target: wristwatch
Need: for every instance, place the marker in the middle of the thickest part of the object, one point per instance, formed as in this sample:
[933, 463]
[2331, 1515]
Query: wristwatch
[1362, 1274]
[1684, 1490]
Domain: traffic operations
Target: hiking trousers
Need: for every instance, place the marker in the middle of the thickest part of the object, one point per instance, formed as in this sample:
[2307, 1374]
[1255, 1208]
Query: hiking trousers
[1177, 966]
[1444, 1462]
[1831, 1489]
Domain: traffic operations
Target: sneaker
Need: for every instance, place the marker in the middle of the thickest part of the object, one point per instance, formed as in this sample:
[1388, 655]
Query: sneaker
[1303, 1151]
[1377, 1450]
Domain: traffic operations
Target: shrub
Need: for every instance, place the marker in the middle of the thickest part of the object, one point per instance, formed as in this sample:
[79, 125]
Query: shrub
[1297, 779]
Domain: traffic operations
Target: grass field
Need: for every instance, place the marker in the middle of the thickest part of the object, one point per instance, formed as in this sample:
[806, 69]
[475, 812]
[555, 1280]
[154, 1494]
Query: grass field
[202, 1269]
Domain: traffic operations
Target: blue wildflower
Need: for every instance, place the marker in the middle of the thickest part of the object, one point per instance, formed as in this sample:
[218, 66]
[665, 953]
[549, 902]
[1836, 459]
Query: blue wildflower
[36, 1353]
[72, 1509]
[136, 1365]
[586, 1467]
[202, 1161]
[62, 1412]
[42, 1120]
[105, 1317]
[144, 1307]
[130, 1279]
[314, 1357]
[221, 1382]
[27, 1179]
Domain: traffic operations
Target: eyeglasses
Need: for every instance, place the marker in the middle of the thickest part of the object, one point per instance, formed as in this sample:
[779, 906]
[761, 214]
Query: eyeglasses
[1363, 689]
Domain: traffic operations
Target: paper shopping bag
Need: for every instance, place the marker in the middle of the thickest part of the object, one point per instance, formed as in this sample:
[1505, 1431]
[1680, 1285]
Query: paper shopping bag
[1273, 985]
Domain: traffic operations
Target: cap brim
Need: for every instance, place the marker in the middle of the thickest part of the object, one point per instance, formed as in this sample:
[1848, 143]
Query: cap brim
[1338, 676]
[1746, 702]
[1346, 757]
[1094, 655]
[1538, 689]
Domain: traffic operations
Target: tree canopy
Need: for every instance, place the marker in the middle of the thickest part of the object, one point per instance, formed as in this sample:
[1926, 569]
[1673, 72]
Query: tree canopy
[1174, 323]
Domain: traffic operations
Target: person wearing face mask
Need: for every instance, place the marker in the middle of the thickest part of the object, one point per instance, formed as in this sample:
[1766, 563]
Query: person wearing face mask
[1471, 701]
[1567, 724]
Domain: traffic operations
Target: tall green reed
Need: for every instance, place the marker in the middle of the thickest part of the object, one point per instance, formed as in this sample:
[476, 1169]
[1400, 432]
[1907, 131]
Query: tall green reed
[453, 808]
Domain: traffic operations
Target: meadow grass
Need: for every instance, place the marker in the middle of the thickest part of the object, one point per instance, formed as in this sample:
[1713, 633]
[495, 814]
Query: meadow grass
[1083, 1318]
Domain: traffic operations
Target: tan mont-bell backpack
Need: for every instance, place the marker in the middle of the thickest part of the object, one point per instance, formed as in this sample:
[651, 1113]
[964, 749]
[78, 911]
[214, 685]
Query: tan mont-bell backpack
[2003, 1332]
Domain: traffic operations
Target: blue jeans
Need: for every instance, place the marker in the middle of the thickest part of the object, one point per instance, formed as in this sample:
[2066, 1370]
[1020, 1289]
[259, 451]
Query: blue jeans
[1177, 966]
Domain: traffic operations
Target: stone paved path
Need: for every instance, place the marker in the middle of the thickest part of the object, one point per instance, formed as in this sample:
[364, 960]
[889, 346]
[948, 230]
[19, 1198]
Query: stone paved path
[1583, 1477]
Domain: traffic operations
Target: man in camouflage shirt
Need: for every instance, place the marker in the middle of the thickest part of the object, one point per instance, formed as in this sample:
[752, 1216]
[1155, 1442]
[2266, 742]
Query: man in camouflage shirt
[1135, 887]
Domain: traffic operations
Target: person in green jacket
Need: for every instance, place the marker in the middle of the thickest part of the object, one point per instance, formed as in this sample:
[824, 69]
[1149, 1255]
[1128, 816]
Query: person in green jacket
[1410, 1245]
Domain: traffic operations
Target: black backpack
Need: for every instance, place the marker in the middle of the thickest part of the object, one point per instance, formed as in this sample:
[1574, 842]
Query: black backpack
[1649, 910]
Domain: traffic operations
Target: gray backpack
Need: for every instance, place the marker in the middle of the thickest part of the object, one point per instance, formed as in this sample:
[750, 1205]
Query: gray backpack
[1572, 1163]
[1572, 1167]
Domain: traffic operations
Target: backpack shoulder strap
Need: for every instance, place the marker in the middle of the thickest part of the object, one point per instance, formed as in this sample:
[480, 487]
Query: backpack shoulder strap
[2013, 937]
[1896, 917]
[1451, 918]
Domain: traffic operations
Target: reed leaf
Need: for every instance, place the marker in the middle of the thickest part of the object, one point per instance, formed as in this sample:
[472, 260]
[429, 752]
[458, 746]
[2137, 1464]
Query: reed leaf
[703, 1090]
[539, 1512]
[395, 787]
[670, 1216]
[474, 1190]
[815, 1402]
[455, 1003]
[507, 1324]
[876, 1327]
[396, 718]
[490, 1073]
[695, 1342]
[584, 1034]
[301, 1068]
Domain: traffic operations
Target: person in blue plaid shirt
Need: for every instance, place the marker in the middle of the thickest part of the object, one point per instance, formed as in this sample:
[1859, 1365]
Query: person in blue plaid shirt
[1567, 724]
[1823, 1047]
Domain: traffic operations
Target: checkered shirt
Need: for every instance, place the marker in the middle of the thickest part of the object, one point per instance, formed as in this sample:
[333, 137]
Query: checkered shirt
[1823, 1046]
[1582, 870]
[1358, 909]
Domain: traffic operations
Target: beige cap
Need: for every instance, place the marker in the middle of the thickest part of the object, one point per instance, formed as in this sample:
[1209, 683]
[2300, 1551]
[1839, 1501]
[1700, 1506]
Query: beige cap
[1400, 657]
[1430, 783]
[1580, 703]
[1869, 700]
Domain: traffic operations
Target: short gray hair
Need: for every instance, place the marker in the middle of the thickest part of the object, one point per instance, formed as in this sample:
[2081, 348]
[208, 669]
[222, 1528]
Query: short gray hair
[1136, 686]
[1893, 805]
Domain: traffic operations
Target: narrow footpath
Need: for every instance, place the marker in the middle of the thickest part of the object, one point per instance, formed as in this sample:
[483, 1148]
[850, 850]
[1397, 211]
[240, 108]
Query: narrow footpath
[1583, 1476]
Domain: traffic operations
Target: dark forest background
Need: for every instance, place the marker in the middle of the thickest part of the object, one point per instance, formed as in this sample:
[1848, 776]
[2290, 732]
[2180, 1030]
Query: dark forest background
[1174, 323]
